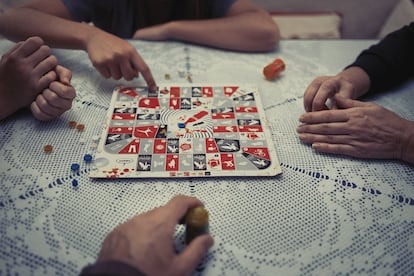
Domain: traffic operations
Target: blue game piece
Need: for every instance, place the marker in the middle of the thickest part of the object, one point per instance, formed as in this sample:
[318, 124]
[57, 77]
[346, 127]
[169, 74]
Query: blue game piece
[74, 167]
[181, 125]
[74, 183]
[87, 158]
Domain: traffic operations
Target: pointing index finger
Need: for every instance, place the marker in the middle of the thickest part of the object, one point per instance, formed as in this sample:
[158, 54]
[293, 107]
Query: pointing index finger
[139, 64]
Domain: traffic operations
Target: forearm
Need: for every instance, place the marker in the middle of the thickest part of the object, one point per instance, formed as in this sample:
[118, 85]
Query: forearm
[358, 78]
[20, 23]
[249, 31]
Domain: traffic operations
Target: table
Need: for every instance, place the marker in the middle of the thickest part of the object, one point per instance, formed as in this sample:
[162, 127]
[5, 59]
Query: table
[323, 215]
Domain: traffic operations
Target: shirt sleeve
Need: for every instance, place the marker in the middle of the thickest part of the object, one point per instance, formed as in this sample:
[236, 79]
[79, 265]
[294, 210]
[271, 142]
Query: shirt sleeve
[220, 7]
[111, 268]
[79, 10]
[390, 61]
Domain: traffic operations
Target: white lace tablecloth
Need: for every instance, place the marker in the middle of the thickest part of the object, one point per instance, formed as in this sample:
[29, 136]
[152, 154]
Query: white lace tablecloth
[323, 215]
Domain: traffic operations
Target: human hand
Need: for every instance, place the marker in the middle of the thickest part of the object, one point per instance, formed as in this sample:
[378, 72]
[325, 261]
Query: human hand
[323, 88]
[146, 241]
[358, 129]
[55, 99]
[153, 33]
[116, 58]
[25, 70]
[350, 83]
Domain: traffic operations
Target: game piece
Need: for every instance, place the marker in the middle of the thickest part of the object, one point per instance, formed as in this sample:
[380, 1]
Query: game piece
[82, 141]
[80, 127]
[75, 183]
[272, 70]
[196, 222]
[48, 148]
[186, 131]
[87, 158]
[75, 167]
[167, 76]
[72, 124]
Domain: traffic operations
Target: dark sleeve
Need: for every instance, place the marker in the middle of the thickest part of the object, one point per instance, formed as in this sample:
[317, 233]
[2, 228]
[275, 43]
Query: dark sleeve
[220, 7]
[79, 10]
[111, 268]
[389, 62]
[113, 16]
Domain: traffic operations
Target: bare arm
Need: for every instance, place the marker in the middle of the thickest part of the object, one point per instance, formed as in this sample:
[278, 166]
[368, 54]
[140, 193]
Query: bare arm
[37, 18]
[245, 27]
[111, 55]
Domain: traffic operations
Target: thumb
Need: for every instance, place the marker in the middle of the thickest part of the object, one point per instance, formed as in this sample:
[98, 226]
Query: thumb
[64, 74]
[192, 255]
[343, 103]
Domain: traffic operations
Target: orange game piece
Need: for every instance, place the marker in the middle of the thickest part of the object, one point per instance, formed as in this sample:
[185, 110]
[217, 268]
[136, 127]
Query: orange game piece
[272, 70]
[80, 127]
[72, 124]
[48, 148]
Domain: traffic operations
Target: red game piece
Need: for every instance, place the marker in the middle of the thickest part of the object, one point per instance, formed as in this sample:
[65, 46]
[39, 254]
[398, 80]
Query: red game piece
[80, 127]
[272, 70]
[72, 124]
[48, 148]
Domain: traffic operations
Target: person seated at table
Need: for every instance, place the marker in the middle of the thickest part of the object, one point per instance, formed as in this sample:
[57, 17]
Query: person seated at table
[144, 244]
[358, 128]
[31, 76]
[228, 24]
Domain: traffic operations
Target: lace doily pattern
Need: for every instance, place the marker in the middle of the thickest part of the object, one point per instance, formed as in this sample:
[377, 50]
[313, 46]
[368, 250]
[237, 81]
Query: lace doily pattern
[323, 215]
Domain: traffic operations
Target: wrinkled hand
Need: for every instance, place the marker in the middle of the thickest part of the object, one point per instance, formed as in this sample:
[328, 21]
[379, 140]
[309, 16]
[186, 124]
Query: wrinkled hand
[358, 129]
[323, 88]
[115, 58]
[55, 99]
[25, 70]
[153, 33]
[146, 241]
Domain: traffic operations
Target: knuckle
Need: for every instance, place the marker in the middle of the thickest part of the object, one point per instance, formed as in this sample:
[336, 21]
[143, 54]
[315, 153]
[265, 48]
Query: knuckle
[45, 50]
[53, 60]
[35, 40]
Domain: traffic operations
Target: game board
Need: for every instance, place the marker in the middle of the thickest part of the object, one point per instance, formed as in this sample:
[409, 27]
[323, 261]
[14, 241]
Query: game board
[185, 131]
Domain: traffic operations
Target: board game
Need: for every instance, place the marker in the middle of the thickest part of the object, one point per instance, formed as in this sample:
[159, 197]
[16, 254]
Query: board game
[185, 131]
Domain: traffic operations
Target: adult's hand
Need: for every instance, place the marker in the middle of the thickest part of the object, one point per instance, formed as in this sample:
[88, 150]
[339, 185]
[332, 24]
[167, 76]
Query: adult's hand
[350, 83]
[146, 241]
[358, 129]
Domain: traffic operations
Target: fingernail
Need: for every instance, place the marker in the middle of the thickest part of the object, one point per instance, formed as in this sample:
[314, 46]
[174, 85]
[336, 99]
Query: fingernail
[210, 242]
